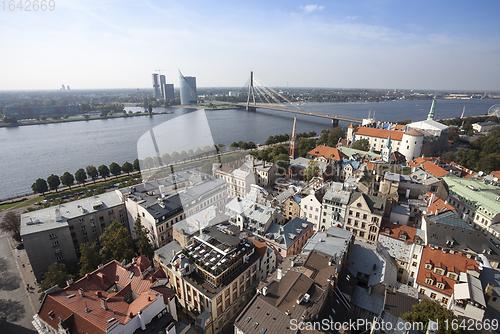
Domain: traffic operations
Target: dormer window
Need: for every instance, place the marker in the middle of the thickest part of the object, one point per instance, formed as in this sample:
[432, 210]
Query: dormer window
[440, 285]
[429, 281]
[428, 265]
[452, 275]
[439, 271]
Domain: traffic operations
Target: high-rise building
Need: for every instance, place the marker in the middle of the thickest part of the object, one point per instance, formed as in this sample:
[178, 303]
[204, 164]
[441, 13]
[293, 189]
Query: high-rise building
[188, 89]
[156, 86]
[168, 91]
[162, 86]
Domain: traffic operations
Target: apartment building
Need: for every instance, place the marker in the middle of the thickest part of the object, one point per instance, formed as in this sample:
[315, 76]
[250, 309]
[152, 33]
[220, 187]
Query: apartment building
[364, 216]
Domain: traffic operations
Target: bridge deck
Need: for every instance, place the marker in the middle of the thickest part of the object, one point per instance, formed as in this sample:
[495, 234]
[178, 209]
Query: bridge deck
[270, 106]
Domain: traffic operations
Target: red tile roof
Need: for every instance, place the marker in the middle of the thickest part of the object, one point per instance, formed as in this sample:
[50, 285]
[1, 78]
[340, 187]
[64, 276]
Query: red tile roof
[416, 162]
[437, 204]
[396, 229]
[433, 169]
[96, 290]
[457, 262]
[260, 247]
[495, 173]
[379, 133]
[328, 153]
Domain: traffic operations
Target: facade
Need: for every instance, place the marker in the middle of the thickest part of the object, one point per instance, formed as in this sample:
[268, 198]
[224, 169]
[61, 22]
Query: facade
[287, 204]
[268, 260]
[311, 208]
[239, 180]
[332, 157]
[484, 126]
[334, 206]
[160, 204]
[113, 299]
[364, 216]
[55, 234]
[189, 96]
[162, 83]
[214, 276]
[168, 92]
[476, 202]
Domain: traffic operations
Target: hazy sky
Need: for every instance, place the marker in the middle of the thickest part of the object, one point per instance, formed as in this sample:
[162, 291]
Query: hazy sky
[353, 44]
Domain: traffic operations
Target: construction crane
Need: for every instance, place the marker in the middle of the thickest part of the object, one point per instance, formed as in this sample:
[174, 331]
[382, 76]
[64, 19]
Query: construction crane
[164, 69]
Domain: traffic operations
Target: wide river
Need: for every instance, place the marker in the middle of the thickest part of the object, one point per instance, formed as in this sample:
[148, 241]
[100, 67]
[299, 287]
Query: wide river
[36, 151]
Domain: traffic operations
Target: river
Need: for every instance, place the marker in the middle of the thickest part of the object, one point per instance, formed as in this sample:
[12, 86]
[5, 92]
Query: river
[36, 151]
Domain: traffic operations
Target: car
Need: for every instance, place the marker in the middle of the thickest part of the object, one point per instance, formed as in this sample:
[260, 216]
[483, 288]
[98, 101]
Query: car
[38, 203]
[44, 201]
[20, 246]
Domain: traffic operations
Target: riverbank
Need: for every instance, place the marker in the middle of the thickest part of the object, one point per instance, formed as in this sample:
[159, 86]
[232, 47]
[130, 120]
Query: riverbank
[80, 119]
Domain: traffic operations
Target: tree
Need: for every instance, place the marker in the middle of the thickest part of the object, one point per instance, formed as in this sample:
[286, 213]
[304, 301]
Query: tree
[453, 136]
[166, 159]
[66, 116]
[11, 223]
[175, 156]
[127, 167]
[54, 182]
[40, 186]
[56, 274]
[116, 243]
[92, 172]
[150, 108]
[222, 148]
[103, 171]
[43, 117]
[361, 144]
[55, 116]
[80, 176]
[335, 135]
[312, 169]
[115, 169]
[306, 145]
[429, 309]
[448, 156]
[141, 240]
[137, 165]
[148, 162]
[67, 179]
[90, 258]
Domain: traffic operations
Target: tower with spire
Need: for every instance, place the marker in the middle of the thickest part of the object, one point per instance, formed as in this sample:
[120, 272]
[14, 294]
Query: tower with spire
[293, 151]
[433, 107]
[387, 151]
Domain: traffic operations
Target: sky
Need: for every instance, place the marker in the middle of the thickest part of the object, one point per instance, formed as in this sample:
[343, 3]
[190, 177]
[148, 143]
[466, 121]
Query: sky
[387, 44]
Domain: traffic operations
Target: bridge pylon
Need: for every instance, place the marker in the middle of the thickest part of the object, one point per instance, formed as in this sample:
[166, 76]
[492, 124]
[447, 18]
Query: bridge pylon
[251, 91]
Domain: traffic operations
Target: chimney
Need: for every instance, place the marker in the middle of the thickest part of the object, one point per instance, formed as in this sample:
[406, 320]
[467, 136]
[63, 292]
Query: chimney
[100, 267]
[279, 275]
[104, 304]
[81, 292]
[69, 282]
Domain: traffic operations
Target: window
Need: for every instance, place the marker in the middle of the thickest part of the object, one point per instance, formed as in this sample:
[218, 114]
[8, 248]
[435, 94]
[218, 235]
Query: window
[357, 214]
[422, 291]
[55, 243]
[83, 227]
[440, 285]
[350, 212]
[444, 300]
[414, 264]
[364, 216]
[52, 236]
[60, 258]
[433, 295]
[429, 281]
[415, 256]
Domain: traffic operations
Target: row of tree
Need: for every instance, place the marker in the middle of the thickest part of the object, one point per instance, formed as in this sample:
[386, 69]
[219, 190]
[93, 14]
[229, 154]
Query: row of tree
[245, 146]
[115, 243]
[284, 138]
[175, 157]
[53, 182]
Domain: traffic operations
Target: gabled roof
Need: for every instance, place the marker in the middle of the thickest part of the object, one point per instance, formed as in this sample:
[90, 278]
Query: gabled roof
[379, 133]
[438, 205]
[375, 204]
[327, 152]
[396, 230]
[433, 169]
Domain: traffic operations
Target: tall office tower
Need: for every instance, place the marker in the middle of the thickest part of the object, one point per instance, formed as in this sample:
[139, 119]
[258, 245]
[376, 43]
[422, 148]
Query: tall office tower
[156, 86]
[168, 91]
[62, 87]
[188, 89]
[162, 83]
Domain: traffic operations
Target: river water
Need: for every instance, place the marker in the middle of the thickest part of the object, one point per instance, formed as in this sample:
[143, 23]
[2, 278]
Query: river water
[36, 151]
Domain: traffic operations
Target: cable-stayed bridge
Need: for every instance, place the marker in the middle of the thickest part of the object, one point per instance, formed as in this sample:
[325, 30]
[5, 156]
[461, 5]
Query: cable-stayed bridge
[273, 100]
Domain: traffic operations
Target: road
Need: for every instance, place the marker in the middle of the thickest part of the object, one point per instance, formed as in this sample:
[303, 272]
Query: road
[17, 306]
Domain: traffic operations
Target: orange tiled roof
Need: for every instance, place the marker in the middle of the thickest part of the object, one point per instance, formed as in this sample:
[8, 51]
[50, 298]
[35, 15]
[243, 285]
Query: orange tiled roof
[379, 133]
[495, 173]
[260, 247]
[416, 162]
[445, 260]
[437, 204]
[328, 153]
[94, 287]
[396, 229]
[434, 169]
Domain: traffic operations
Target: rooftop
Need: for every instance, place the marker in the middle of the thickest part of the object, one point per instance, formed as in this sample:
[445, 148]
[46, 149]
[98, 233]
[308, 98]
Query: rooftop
[327, 152]
[284, 236]
[57, 216]
[396, 231]
[380, 133]
[376, 204]
[333, 242]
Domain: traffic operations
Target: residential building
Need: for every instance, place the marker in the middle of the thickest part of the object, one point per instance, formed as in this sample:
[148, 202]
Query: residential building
[490, 280]
[54, 234]
[113, 299]
[335, 203]
[396, 304]
[287, 203]
[476, 202]
[468, 298]
[311, 207]
[331, 156]
[268, 260]
[159, 209]
[298, 169]
[484, 126]
[191, 225]
[439, 272]
[239, 180]
[364, 216]
[214, 276]
[450, 233]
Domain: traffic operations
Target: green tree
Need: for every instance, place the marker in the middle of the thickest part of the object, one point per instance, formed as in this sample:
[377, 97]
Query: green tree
[306, 145]
[11, 223]
[166, 159]
[115, 169]
[53, 182]
[55, 116]
[222, 148]
[361, 144]
[40, 186]
[103, 171]
[80, 176]
[175, 156]
[141, 240]
[453, 136]
[90, 258]
[127, 168]
[312, 169]
[92, 172]
[334, 136]
[56, 275]
[448, 156]
[67, 179]
[116, 243]
[43, 117]
[467, 126]
[66, 116]
[148, 162]
[137, 165]
[99, 190]
[429, 309]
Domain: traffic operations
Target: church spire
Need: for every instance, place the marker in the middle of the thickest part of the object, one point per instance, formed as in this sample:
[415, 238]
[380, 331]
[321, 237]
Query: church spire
[433, 106]
[388, 142]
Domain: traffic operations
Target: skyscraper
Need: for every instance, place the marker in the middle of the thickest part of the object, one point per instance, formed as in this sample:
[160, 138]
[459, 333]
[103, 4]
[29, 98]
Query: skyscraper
[168, 91]
[162, 84]
[188, 89]
[156, 86]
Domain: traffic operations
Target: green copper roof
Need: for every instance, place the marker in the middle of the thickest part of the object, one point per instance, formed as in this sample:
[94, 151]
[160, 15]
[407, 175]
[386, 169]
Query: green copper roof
[479, 196]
